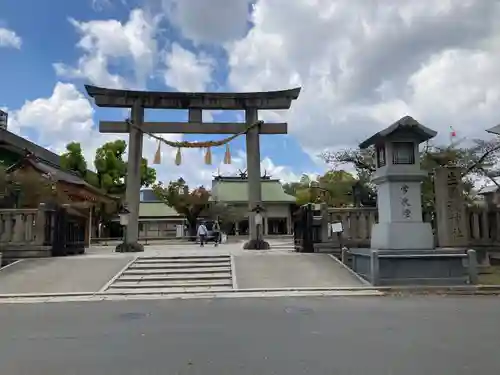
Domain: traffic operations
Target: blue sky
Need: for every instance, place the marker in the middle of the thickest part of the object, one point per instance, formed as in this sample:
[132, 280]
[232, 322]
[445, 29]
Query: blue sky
[49, 37]
[362, 65]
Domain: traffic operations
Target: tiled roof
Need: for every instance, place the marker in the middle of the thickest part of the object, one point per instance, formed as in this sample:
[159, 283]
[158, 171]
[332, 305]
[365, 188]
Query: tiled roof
[156, 209]
[57, 174]
[23, 144]
[237, 191]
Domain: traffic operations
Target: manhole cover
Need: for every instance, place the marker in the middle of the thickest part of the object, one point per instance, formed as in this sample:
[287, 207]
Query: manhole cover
[132, 316]
[298, 310]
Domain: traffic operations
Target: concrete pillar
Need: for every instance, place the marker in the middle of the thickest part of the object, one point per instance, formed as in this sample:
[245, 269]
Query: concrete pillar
[253, 170]
[450, 208]
[265, 222]
[133, 191]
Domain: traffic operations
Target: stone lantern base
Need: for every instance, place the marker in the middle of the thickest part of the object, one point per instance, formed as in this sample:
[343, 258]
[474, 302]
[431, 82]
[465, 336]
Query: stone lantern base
[401, 235]
[129, 248]
[256, 245]
[416, 267]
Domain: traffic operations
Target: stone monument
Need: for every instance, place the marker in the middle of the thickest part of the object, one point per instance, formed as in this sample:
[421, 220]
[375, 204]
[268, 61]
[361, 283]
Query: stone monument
[402, 245]
[194, 103]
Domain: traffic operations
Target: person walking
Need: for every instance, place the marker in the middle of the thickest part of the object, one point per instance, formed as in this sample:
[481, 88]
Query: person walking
[216, 232]
[202, 233]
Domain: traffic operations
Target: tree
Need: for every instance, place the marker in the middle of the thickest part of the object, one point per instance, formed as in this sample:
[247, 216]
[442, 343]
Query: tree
[189, 203]
[73, 159]
[337, 187]
[225, 214]
[334, 188]
[476, 160]
[112, 169]
[300, 190]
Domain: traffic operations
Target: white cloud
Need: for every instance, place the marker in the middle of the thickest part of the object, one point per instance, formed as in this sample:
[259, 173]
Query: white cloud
[214, 21]
[108, 42]
[9, 38]
[187, 71]
[364, 64]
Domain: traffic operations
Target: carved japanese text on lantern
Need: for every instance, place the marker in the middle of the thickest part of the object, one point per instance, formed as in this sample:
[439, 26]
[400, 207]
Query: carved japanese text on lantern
[405, 202]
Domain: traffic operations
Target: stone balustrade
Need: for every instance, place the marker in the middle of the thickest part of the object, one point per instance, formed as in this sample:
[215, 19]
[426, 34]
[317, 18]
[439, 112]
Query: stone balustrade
[357, 224]
[23, 233]
[483, 226]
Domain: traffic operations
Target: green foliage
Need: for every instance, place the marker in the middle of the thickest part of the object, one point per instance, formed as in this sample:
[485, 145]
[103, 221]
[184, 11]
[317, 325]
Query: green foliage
[333, 188]
[190, 203]
[73, 159]
[112, 169]
[225, 214]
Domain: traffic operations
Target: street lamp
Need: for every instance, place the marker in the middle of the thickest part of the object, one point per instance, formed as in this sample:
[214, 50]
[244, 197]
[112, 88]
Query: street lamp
[124, 216]
[259, 243]
[259, 226]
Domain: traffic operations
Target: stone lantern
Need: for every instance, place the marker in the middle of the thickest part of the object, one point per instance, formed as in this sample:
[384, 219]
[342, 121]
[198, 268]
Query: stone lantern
[402, 245]
[398, 178]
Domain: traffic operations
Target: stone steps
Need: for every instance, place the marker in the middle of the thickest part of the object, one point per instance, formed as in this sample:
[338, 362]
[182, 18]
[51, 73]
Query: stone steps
[176, 274]
[180, 276]
[180, 270]
[169, 291]
[171, 283]
[170, 266]
[182, 261]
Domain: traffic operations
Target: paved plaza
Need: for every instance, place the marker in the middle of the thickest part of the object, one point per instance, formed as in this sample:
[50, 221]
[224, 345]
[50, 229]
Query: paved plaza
[170, 269]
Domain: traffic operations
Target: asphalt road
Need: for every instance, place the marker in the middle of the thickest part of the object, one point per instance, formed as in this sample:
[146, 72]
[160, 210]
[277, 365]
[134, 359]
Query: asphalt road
[331, 336]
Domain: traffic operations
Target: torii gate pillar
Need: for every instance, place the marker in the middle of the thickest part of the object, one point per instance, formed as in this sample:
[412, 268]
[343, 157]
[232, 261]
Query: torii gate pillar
[254, 182]
[133, 182]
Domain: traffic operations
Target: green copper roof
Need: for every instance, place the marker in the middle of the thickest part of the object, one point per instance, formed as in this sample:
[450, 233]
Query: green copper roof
[156, 209]
[237, 191]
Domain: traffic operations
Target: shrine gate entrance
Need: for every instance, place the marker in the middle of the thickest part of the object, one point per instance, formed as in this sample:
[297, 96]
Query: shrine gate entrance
[195, 103]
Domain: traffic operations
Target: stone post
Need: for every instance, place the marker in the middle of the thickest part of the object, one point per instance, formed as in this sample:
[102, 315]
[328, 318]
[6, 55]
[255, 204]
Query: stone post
[40, 223]
[325, 222]
[450, 208]
[132, 194]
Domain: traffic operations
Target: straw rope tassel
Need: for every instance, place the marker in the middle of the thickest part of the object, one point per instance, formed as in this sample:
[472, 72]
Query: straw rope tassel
[227, 155]
[208, 156]
[157, 158]
[178, 157]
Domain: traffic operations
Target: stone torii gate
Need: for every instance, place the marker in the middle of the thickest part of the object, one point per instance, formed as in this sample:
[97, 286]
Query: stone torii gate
[195, 103]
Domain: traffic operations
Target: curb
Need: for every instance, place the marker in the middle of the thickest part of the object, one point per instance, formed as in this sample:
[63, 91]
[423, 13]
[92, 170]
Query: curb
[388, 290]
[357, 276]
[10, 264]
